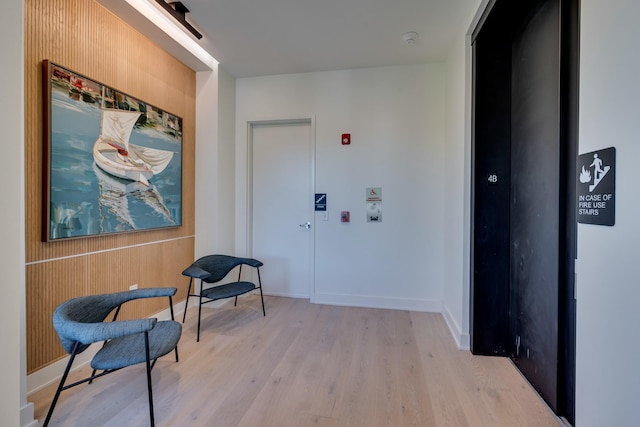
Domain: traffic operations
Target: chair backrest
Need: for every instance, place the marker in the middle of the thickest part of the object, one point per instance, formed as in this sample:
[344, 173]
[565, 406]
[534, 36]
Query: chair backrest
[220, 265]
[71, 315]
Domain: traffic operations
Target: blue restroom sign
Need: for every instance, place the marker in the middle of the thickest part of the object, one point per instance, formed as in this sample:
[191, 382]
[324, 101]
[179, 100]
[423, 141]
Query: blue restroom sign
[596, 187]
[321, 202]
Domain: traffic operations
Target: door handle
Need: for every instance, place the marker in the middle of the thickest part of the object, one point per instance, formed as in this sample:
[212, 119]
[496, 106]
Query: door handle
[306, 225]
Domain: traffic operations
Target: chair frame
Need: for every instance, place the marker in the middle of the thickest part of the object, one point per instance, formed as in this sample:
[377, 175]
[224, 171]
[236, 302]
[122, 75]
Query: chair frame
[79, 347]
[233, 289]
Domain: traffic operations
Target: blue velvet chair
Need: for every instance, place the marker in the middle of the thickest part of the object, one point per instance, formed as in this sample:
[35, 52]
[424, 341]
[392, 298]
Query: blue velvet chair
[79, 323]
[211, 269]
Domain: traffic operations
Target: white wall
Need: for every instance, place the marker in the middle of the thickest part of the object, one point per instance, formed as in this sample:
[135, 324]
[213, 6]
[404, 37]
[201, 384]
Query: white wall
[12, 312]
[396, 118]
[215, 153]
[457, 184]
[608, 267]
[225, 214]
[207, 198]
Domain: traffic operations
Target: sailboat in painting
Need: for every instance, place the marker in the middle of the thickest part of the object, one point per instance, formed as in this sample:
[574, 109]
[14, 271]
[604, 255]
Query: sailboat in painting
[114, 154]
[115, 194]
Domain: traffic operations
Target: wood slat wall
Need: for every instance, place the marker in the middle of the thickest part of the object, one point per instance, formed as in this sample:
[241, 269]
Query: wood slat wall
[85, 37]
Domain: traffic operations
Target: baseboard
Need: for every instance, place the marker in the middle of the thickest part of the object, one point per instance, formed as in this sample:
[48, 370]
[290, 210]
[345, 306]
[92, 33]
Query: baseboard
[284, 295]
[411, 304]
[463, 341]
[26, 416]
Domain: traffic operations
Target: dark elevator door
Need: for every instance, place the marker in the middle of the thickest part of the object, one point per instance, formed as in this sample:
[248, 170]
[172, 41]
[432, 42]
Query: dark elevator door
[535, 199]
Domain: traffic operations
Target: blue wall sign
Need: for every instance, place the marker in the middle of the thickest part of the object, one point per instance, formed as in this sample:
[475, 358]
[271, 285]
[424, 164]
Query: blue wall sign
[321, 201]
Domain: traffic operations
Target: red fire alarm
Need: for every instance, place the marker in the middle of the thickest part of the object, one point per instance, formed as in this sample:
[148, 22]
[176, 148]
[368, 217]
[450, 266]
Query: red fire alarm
[344, 216]
[346, 138]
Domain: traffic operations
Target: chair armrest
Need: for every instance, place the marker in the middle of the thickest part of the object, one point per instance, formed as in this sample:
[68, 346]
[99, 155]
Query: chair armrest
[152, 292]
[196, 272]
[88, 333]
[252, 262]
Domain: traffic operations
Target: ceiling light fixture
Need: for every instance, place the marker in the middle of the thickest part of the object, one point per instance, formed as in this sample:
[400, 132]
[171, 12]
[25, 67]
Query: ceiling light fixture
[179, 12]
[410, 38]
[167, 25]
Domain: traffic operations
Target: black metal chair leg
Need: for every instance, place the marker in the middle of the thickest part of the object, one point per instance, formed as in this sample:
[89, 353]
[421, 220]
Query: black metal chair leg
[186, 304]
[93, 374]
[235, 303]
[61, 385]
[199, 311]
[171, 308]
[264, 313]
[146, 345]
[173, 318]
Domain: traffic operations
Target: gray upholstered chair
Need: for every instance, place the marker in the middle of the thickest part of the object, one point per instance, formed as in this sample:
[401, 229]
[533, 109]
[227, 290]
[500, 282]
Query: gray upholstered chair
[79, 323]
[211, 269]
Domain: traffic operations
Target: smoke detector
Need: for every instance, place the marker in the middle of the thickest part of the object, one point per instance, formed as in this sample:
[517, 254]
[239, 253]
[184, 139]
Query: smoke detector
[410, 38]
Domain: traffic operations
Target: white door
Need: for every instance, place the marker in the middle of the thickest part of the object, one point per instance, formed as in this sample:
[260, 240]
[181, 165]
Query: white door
[281, 156]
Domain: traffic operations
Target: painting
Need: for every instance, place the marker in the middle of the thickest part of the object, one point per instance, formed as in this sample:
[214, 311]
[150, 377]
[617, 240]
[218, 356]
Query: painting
[112, 163]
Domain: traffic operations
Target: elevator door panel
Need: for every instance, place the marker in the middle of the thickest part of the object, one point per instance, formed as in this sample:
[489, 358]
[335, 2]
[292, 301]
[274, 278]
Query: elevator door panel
[535, 204]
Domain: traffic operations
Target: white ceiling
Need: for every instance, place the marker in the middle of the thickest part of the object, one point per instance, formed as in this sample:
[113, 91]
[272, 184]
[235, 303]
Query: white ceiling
[265, 37]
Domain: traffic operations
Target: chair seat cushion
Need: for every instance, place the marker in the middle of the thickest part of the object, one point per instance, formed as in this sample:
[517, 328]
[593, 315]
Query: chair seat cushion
[129, 350]
[227, 291]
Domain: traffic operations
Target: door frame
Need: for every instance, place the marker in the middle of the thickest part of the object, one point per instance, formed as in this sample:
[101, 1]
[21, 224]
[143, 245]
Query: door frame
[294, 120]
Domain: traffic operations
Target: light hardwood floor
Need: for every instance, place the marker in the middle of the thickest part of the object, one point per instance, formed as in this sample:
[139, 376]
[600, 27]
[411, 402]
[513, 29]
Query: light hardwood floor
[309, 365]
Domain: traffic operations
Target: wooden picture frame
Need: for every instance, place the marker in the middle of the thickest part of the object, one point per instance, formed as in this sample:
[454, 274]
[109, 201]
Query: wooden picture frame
[112, 163]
